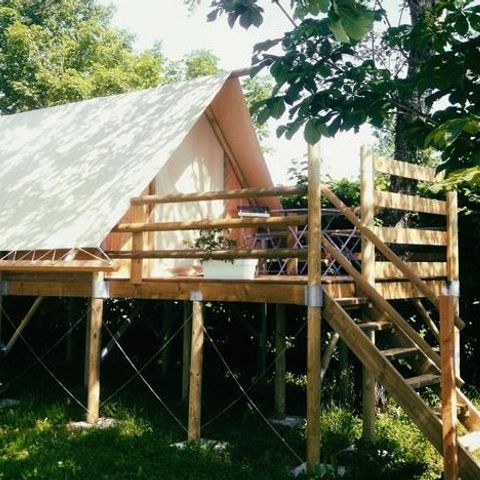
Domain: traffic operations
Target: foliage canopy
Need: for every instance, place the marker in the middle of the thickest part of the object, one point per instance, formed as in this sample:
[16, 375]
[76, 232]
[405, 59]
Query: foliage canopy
[330, 78]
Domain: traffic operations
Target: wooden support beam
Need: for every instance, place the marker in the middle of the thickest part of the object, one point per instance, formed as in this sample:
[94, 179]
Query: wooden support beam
[210, 224]
[406, 170]
[23, 324]
[328, 354]
[187, 344]
[218, 254]
[219, 195]
[139, 215]
[453, 269]
[380, 303]
[58, 266]
[449, 393]
[428, 320]
[412, 203]
[95, 319]
[280, 359]
[385, 250]
[367, 212]
[386, 270]
[196, 366]
[217, 130]
[369, 402]
[314, 309]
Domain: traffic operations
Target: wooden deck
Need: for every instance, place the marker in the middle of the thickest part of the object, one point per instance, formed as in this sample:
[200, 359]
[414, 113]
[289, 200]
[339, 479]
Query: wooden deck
[268, 289]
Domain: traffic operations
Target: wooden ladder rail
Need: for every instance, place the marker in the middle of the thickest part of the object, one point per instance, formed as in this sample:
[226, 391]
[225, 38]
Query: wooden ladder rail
[386, 251]
[472, 421]
[387, 375]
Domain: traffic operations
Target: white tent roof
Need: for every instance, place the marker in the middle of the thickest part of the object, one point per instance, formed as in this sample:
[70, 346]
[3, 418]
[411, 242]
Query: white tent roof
[67, 173]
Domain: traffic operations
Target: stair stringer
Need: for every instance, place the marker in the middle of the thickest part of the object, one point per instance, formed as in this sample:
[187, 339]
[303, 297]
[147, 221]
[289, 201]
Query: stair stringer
[386, 374]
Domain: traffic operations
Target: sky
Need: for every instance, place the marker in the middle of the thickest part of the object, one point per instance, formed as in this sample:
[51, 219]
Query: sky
[181, 31]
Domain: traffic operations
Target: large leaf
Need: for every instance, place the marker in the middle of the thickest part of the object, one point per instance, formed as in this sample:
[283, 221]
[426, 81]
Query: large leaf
[314, 131]
[357, 20]
[338, 31]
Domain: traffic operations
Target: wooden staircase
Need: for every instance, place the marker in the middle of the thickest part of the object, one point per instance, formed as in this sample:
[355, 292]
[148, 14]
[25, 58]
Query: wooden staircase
[404, 367]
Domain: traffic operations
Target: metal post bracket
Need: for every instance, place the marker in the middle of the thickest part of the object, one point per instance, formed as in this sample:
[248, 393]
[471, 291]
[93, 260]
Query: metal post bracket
[196, 296]
[314, 296]
[100, 288]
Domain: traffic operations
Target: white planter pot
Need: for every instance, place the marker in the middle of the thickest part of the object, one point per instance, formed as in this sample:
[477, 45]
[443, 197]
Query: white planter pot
[240, 269]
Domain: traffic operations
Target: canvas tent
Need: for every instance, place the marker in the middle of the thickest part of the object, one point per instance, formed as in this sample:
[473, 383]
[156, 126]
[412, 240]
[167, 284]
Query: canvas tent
[68, 172]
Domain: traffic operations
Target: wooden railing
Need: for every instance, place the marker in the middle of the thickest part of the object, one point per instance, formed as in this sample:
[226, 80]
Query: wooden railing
[141, 225]
[372, 200]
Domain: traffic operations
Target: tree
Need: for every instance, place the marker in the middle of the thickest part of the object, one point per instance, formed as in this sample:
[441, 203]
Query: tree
[331, 79]
[57, 51]
[197, 63]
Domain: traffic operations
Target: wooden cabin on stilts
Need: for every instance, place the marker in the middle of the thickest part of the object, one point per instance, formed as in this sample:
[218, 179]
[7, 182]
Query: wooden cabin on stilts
[99, 197]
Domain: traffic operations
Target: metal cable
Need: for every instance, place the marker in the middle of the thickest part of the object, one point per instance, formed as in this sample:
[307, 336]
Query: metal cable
[144, 380]
[254, 383]
[39, 360]
[146, 364]
[45, 354]
[250, 401]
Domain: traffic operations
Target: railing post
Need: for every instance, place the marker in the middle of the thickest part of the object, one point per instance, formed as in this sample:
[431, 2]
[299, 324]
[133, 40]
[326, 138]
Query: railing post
[447, 305]
[367, 210]
[314, 302]
[453, 271]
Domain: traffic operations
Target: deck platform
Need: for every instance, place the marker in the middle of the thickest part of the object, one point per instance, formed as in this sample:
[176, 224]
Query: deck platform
[268, 288]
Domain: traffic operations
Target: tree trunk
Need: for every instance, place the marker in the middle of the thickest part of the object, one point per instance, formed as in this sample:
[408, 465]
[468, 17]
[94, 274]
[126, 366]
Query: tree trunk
[404, 148]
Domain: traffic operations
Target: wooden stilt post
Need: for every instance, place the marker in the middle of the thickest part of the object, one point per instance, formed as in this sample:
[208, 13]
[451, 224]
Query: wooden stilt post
[314, 302]
[447, 306]
[95, 319]
[453, 271]
[195, 397]
[262, 339]
[367, 189]
[280, 359]
[187, 344]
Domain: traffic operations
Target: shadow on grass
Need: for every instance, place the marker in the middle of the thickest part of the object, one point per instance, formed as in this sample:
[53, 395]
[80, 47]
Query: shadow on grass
[35, 444]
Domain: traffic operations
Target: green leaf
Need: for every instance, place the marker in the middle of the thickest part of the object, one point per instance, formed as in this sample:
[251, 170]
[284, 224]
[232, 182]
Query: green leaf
[276, 107]
[314, 131]
[338, 31]
[356, 19]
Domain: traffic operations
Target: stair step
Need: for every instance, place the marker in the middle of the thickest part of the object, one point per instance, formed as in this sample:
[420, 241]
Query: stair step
[462, 411]
[470, 441]
[375, 326]
[423, 380]
[399, 352]
[348, 303]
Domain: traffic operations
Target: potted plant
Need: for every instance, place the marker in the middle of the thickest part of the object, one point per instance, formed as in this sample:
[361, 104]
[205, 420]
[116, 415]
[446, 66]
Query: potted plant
[229, 269]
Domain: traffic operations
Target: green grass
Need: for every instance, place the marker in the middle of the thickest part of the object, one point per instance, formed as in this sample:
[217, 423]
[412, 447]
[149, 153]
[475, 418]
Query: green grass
[34, 444]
